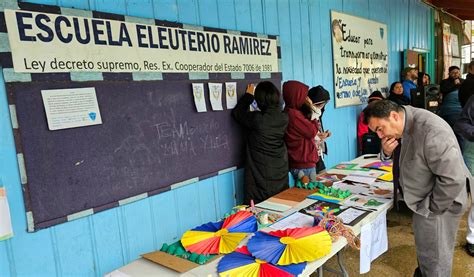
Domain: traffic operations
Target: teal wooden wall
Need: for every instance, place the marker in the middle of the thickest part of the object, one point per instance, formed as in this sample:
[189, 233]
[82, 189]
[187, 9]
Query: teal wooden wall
[103, 242]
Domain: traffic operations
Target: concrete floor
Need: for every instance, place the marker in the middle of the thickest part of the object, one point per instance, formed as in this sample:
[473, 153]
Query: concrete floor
[400, 259]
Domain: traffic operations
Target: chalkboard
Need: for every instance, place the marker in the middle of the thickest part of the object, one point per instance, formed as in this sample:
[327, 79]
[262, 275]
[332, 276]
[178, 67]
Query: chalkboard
[151, 137]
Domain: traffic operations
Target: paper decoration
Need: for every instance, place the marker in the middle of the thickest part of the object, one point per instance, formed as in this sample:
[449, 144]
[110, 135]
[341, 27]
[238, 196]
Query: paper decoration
[6, 230]
[220, 237]
[242, 263]
[354, 188]
[199, 99]
[364, 202]
[345, 166]
[385, 165]
[387, 177]
[215, 95]
[290, 246]
[231, 94]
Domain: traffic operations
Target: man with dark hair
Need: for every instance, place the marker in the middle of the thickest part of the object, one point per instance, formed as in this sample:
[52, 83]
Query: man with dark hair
[409, 75]
[453, 82]
[429, 169]
[467, 87]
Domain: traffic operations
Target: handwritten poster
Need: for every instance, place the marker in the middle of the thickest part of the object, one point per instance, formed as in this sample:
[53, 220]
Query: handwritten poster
[360, 58]
[447, 50]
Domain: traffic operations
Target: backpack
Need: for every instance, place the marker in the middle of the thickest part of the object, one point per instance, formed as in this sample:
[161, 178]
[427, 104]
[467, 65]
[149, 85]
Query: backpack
[371, 143]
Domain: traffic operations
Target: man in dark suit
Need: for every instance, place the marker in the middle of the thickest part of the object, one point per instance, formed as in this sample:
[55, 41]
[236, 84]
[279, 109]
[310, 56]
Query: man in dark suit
[432, 176]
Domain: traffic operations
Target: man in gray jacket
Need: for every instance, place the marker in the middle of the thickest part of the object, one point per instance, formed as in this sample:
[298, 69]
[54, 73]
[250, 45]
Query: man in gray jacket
[432, 178]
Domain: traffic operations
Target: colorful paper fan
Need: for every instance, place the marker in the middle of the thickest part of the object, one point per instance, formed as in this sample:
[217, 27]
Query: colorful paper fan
[242, 263]
[220, 237]
[290, 246]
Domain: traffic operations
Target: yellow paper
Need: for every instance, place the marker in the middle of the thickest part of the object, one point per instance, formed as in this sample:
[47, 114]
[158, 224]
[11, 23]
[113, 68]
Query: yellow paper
[250, 270]
[230, 241]
[305, 249]
[387, 177]
[191, 237]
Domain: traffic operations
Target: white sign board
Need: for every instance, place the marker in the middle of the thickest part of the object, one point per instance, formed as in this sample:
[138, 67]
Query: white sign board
[360, 58]
[42, 42]
[70, 108]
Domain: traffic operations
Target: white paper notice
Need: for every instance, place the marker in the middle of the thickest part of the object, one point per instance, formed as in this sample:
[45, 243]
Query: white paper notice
[199, 100]
[215, 94]
[70, 108]
[231, 94]
[349, 215]
[360, 179]
[373, 241]
[295, 220]
[6, 230]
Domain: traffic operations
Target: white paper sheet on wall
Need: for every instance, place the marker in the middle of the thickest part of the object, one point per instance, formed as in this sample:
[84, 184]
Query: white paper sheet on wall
[6, 230]
[215, 95]
[231, 94]
[199, 99]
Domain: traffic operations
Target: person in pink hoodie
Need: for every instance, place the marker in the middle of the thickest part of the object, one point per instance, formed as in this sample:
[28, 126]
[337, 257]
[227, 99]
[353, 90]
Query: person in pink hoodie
[300, 133]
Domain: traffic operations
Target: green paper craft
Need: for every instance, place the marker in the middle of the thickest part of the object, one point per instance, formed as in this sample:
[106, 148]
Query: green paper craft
[177, 249]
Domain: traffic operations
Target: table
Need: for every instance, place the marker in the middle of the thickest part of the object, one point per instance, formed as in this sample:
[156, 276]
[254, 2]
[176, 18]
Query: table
[143, 267]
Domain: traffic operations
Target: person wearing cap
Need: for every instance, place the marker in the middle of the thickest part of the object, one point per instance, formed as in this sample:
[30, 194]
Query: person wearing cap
[319, 97]
[452, 83]
[300, 133]
[410, 75]
[363, 128]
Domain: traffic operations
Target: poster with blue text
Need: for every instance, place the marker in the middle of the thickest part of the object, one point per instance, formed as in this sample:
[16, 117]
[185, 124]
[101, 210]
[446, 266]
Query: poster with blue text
[360, 58]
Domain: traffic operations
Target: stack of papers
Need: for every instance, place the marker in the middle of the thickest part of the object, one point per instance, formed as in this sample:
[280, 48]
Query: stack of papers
[363, 177]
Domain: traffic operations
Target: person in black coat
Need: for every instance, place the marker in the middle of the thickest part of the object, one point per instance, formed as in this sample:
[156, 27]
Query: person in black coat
[452, 83]
[465, 91]
[396, 94]
[266, 168]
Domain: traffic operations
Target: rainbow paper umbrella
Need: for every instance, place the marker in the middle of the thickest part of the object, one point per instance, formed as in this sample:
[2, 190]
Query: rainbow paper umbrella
[291, 246]
[242, 263]
[220, 237]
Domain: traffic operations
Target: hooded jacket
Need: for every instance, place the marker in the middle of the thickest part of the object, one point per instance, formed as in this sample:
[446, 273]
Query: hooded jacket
[300, 133]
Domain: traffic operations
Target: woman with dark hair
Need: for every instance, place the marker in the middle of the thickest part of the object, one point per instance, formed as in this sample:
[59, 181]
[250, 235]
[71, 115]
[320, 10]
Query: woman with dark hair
[396, 94]
[266, 162]
[319, 97]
